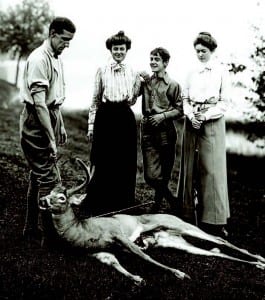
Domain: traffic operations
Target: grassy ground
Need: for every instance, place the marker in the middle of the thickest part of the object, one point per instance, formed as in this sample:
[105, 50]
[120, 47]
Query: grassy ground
[59, 272]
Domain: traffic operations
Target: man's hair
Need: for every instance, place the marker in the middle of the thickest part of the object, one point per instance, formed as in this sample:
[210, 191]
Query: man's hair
[59, 24]
[207, 40]
[118, 39]
[164, 54]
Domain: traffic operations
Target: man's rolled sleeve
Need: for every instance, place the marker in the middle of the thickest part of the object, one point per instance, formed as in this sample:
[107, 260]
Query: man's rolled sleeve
[37, 79]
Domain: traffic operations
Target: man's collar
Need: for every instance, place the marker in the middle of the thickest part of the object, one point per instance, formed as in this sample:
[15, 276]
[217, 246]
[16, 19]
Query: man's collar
[164, 77]
[48, 47]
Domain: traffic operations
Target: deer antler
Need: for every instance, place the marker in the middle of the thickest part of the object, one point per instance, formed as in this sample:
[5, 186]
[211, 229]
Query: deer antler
[89, 174]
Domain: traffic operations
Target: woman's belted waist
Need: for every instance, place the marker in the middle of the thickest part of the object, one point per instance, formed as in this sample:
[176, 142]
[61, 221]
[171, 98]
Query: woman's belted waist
[108, 101]
[197, 107]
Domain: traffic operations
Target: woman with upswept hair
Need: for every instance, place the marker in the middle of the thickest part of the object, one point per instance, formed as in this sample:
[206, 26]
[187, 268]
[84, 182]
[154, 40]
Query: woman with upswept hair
[112, 131]
[203, 163]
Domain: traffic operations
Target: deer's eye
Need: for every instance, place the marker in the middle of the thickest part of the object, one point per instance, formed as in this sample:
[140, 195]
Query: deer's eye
[61, 198]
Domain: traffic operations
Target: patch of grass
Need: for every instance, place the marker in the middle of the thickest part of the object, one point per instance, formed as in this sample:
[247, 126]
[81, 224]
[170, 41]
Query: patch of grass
[61, 273]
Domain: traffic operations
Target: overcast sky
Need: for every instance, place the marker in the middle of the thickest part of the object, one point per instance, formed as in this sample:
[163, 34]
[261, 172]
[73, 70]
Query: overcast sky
[172, 24]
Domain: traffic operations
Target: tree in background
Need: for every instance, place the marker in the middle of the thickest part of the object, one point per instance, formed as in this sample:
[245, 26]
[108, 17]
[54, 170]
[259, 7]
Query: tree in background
[23, 28]
[258, 78]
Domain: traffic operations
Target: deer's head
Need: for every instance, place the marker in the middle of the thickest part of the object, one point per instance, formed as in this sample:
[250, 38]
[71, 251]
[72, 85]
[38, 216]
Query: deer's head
[60, 198]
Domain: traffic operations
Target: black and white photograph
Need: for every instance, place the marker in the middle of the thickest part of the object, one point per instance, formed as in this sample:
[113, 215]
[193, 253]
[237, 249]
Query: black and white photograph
[132, 150]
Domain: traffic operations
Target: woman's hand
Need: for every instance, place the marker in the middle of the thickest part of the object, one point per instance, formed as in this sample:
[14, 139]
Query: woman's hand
[131, 101]
[200, 117]
[196, 123]
[144, 75]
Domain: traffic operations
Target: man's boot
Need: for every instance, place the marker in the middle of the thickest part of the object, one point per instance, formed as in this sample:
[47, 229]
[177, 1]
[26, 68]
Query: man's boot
[156, 208]
[50, 233]
[173, 201]
[33, 231]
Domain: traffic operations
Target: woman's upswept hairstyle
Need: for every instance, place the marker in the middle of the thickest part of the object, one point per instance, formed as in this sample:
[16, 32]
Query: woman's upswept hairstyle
[118, 39]
[164, 54]
[207, 40]
[59, 24]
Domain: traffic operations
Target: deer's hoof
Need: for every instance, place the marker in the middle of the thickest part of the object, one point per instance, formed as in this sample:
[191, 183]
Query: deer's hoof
[260, 265]
[139, 281]
[215, 250]
[181, 275]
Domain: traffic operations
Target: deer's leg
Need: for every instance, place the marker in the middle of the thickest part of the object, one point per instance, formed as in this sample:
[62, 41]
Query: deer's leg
[163, 239]
[128, 245]
[198, 233]
[110, 260]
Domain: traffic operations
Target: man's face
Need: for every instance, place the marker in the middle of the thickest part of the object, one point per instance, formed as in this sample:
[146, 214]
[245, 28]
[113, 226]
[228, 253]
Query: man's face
[118, 52]
[156, 63]
[203, 53]
[60, 41]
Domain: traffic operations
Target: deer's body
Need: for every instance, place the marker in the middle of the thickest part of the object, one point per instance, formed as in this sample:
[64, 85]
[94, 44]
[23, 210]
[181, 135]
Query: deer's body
[90, 233]
[98, 234]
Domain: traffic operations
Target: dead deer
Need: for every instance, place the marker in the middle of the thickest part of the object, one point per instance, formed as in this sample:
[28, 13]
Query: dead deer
[99, 234]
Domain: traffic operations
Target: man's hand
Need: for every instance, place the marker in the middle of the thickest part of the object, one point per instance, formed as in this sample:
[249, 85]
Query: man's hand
[53, 150]
[90, 135]
[63, 136]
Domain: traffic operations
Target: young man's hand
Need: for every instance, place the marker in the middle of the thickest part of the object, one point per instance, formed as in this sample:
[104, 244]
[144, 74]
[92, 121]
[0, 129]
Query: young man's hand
[156, 119]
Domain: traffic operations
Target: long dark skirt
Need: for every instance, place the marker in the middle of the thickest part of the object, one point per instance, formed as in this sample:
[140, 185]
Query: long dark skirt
[114, 155]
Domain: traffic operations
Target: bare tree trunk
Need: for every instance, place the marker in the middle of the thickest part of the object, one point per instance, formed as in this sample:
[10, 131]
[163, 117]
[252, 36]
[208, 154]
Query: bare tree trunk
[17, 70]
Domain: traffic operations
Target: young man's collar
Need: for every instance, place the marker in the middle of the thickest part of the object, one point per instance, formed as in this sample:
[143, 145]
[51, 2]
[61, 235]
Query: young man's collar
[163, 76]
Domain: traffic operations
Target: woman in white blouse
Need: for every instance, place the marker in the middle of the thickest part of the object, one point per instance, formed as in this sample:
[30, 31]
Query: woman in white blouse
[203, 174]
[112, 130]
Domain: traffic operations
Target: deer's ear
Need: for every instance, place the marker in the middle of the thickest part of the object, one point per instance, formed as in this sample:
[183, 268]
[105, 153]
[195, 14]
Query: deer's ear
[77, 199]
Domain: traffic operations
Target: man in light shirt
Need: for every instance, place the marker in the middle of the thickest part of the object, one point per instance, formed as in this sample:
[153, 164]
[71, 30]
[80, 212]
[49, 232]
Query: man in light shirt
[41, 122]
